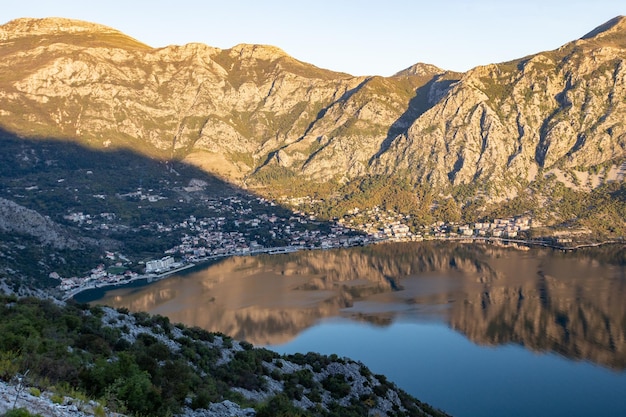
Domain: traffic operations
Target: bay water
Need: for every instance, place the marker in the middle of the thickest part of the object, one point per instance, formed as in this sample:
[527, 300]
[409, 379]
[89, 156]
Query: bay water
[473, 329]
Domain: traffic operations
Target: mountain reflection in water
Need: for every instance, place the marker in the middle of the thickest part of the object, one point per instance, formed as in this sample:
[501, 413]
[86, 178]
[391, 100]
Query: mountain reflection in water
[568, 303]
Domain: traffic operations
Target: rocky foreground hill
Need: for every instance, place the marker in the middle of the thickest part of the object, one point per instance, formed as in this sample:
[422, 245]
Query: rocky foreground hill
[256, 116]
[72, 360]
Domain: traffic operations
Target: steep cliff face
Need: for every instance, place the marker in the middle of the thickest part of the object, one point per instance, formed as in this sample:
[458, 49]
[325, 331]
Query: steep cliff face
[20, 220]
[250, 112]
[560, 110]
[97, 85]
[229, 111]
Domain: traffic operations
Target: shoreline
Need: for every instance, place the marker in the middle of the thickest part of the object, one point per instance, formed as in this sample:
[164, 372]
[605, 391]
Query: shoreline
[148, 277]
[531, 242]
[197, 263]
[289, 249]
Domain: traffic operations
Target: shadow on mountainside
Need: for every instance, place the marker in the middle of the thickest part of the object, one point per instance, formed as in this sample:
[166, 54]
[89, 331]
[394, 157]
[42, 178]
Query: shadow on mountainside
[320, 116]
[111, 200]
[418, 105]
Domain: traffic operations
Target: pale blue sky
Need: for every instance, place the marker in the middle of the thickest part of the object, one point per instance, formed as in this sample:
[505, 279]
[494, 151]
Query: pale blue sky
[363, 37]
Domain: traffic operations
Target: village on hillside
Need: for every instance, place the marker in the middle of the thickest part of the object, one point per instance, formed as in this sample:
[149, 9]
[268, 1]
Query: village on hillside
[238, 231]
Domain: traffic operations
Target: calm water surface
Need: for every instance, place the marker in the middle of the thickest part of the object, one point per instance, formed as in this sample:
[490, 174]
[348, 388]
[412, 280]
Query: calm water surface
[473, 330]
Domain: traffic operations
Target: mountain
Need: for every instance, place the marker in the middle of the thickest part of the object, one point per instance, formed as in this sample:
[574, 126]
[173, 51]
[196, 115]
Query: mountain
[559, 111]
[229, 111]
[262, 119]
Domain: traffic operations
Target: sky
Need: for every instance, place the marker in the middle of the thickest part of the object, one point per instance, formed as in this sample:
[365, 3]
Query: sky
[360, 37]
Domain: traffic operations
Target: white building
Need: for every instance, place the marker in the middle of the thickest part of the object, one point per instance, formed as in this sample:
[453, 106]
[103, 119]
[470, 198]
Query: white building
[159, 264]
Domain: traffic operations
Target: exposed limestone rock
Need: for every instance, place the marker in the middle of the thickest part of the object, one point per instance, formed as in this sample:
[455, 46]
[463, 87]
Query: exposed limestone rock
[18, 219]
[502, 122]
[52, 26]
[234, 111]
[43, 405]
[421, 69]
[223, 409]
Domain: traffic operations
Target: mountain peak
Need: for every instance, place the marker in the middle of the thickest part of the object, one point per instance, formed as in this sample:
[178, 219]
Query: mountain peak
[263, 52]
[420, 69]
[614, 26]
[70, 31]
[48, 26]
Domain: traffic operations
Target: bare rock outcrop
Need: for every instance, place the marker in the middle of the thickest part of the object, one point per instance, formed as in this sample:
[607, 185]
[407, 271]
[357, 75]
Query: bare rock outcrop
[253, 113]
[19, 219]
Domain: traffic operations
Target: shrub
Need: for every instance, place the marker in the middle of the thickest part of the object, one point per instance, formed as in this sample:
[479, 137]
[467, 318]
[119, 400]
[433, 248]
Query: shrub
[198, 333]
[364, 371]
[137, 393]
[8, 365]
[202, 400]
[57, 399]
[97, 311]
[337, 386]
[315, 395]
[305, 378]
[381, 390]
[246, 346]
[276, 375]
[99, 411]
[279, 406]
[227, 342]
[142, 319]
[293, 390]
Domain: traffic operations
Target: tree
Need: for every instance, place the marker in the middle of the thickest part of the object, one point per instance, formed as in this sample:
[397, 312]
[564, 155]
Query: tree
[137, 393]
[448, 211]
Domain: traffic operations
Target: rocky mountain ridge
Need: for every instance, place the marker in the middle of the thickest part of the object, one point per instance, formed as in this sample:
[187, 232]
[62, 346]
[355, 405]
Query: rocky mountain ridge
[227, 110]
[26, 27]
[558, 110]
[256, 116]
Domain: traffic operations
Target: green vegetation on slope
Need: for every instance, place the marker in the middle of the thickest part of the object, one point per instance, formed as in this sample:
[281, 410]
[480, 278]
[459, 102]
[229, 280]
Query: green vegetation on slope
[57, 178]
[142, 365]
[602, 210]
